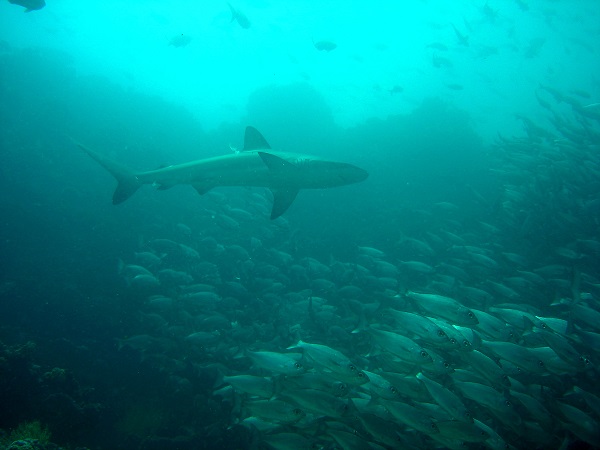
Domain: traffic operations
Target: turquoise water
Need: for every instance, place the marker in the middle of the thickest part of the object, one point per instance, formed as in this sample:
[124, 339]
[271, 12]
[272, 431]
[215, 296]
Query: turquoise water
[478, 124]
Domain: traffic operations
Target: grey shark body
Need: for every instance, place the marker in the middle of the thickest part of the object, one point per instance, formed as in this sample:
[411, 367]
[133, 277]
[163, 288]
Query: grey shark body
[256, 165]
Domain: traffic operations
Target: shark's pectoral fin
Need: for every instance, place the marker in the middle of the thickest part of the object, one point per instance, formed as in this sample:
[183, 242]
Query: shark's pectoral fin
[277, 164]
[202, 188]
[282, 199]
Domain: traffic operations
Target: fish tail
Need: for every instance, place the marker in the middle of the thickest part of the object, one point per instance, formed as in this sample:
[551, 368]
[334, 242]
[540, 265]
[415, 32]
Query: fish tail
[128, 182]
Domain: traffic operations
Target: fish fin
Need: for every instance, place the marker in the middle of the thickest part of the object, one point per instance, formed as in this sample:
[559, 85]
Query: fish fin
[277, 164]
[477, 341]
[128, 181]
[233, 12]
[219, 379]
[363, 325]
[253, 140]
[202, 188]
[528, 325]
[282, 199]
[297, 345]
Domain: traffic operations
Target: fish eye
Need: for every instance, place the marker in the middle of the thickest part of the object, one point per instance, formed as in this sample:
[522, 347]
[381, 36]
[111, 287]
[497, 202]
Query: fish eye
[453, 340]
[424, 354]
[507, 403]
[470, 315]
[297, 411]
[541, 363]
[466, 343]
[468, 415]
[441, 333]
[352, 367]
[446, 365]
[393, 390]
[298, 365]
[361, 375]
[342, 387]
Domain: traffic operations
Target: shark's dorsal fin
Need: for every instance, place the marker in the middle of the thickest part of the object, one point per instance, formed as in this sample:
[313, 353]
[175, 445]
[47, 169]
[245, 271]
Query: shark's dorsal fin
[282, 199]
[253, 140]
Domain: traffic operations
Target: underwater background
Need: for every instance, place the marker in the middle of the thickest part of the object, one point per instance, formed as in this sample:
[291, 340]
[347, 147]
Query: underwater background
[126, 326]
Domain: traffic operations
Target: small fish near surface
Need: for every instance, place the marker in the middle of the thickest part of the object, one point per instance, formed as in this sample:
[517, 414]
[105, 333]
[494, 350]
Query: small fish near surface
[239, 17]
[325, 46]
[256, 165]
[181, 40]
[397, 89]
[29, 5]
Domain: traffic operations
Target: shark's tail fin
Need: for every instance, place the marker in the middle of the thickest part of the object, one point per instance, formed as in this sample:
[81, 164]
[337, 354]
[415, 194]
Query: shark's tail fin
[128, 181]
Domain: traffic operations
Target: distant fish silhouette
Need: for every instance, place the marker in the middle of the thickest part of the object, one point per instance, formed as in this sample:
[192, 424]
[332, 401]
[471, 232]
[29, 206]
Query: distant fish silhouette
[239, 17]
[181, 40]
[326, 46]
[439, 62]
[397, 89]
[29, 5]
[463, 39]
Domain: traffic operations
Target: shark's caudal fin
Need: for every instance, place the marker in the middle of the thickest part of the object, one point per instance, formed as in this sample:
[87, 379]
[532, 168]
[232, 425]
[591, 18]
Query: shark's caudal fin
[128, 181]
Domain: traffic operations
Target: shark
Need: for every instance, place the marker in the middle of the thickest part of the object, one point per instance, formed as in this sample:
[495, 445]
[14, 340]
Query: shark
[29, 5]
[256, 165]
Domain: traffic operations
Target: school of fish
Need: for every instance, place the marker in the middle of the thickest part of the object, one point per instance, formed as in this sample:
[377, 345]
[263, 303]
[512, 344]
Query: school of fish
[480, 331]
